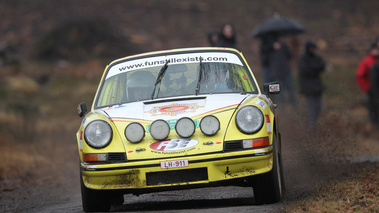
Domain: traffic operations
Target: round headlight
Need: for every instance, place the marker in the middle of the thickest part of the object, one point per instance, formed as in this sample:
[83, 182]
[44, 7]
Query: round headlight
[249, 119]
[185, 127]
[134, 132]
[98, 134]
[159, 129]
[209, 125]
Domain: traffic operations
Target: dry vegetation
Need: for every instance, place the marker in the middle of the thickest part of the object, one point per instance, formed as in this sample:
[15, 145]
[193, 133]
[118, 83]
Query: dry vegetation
[38, 99]
[357, 193]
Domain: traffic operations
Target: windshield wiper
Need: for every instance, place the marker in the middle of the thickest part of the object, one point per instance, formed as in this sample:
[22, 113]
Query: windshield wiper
[159, 77]
[200, 74]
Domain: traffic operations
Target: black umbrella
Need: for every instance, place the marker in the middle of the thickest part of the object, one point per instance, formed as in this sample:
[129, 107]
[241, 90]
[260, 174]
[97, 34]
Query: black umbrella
[278, 26]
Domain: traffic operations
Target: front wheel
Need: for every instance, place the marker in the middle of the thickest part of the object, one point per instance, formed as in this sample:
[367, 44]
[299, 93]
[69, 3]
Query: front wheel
[268, 187]
[94, 200]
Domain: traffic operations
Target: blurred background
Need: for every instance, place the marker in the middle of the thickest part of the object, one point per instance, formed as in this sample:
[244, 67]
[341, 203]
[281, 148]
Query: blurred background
[53, 53]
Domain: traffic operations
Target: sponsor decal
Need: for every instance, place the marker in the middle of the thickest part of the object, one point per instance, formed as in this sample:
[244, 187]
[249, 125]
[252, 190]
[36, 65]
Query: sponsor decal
[174, 109]
[261, 103]
[274, 88]
[174, 144]
[154, 61]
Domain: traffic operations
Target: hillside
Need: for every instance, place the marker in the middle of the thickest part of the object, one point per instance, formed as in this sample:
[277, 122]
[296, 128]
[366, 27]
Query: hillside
[344, 29]
[53, 54]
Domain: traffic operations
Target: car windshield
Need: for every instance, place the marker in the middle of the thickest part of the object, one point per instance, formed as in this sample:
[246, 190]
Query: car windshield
[186, 74]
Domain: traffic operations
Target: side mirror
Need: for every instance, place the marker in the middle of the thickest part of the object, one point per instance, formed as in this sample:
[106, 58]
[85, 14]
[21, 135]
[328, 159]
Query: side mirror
[271, 88]
[82, 109]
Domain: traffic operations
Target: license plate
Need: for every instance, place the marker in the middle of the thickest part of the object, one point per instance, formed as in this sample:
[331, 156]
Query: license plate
[174, 164]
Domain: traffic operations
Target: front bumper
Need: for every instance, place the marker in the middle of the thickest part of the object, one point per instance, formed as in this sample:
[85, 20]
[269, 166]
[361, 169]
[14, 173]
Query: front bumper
[203, 169]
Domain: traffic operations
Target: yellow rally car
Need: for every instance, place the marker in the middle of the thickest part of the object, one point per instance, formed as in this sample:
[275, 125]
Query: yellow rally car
[179, 119]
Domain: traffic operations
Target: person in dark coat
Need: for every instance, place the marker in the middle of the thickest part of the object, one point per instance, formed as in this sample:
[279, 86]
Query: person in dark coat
[212, 36]
[310, 66]
[374, 89]
[227, 37]
[280, 70]
[265, 48]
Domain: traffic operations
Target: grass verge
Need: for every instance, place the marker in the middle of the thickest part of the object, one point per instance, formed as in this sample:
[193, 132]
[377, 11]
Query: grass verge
[356, 193]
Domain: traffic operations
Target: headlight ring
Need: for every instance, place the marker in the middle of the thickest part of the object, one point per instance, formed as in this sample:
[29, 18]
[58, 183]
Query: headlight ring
[249, 119]
[98, 134]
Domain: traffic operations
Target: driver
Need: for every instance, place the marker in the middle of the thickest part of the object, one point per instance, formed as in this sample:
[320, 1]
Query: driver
[221, 80]
[140, 85]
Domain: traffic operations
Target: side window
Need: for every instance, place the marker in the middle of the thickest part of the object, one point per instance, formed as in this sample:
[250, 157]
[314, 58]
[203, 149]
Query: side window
[112, 91]
[242, 79]
[225, 78]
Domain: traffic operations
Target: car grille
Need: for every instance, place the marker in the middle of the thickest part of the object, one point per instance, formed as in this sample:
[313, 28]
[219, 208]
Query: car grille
[233, 146]
[177, 176]
[116, 157]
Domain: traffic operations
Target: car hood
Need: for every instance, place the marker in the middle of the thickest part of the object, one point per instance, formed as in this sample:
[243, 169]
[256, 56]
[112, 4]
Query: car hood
[195, 107]
[173, 108]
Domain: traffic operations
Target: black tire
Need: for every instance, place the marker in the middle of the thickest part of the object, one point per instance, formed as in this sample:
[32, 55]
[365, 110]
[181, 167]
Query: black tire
[268, 187]
[117, 199]
[281, 165]
[94, 200]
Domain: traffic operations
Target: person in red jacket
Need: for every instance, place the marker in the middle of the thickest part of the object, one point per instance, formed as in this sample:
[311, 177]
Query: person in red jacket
[363, 76]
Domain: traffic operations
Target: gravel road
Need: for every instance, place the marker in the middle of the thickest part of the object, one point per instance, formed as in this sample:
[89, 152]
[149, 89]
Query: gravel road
[306, 167]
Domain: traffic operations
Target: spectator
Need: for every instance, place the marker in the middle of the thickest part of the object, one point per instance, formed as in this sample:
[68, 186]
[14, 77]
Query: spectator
[227, 37]
[363, 77]
[310, 66]
[374, 89]
[212, 36]
[280, 69]
[265, 48]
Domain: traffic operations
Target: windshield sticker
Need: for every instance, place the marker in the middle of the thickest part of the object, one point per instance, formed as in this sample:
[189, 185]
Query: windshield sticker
[172, 59]
[174, 109]
[174, 144]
